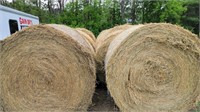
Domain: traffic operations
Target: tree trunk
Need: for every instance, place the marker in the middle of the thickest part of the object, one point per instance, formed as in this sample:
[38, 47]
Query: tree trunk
[61, 4]
[49, 5]
[2, 1]
[122, 7]
[40, 4]
[133, 10]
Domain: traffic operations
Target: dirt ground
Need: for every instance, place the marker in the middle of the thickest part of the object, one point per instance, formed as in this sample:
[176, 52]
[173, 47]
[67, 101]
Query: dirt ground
[102, 101]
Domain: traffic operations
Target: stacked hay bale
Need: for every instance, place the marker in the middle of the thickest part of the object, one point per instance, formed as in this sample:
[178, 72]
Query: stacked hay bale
[46, 68]
[154, 68]
[103, 41]
[88, 36]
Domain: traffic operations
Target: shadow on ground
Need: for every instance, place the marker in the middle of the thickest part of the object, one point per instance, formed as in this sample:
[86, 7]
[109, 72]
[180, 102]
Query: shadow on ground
[102, 101]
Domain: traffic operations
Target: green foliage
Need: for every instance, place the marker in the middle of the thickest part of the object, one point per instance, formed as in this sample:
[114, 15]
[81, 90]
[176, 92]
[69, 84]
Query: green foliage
[151, 11]
[97, 15]
[190, 18]
[93, 16]
[197, 109]
[163, 11]
[172, 12]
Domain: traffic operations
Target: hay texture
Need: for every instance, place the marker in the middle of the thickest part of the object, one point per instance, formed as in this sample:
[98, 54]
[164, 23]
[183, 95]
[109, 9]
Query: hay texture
[103, 41]
[46, 68]
[88, 36]
[154, 68]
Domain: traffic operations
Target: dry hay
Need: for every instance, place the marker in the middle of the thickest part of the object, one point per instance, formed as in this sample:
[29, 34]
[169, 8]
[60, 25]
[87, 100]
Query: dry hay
[103, 41]
[154, 68]
[88, 32]
[88, 36]
[46, 68]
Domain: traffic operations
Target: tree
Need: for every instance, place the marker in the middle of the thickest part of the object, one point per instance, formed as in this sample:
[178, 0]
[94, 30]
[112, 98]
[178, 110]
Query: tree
[97, 15]
[3, 2]
[61, 4]
[190, 18]
[172, 12]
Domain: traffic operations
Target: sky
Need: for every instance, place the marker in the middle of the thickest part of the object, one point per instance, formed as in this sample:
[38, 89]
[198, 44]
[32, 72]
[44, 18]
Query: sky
[9, 0]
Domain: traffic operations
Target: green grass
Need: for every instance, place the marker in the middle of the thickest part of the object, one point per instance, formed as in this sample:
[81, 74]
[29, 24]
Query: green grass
[197, 109]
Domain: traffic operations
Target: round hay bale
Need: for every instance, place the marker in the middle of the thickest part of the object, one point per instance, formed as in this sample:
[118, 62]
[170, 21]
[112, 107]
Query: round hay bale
[88, 36]
[88, 32]
[154, 68]
[103, 41]
[46, 68]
